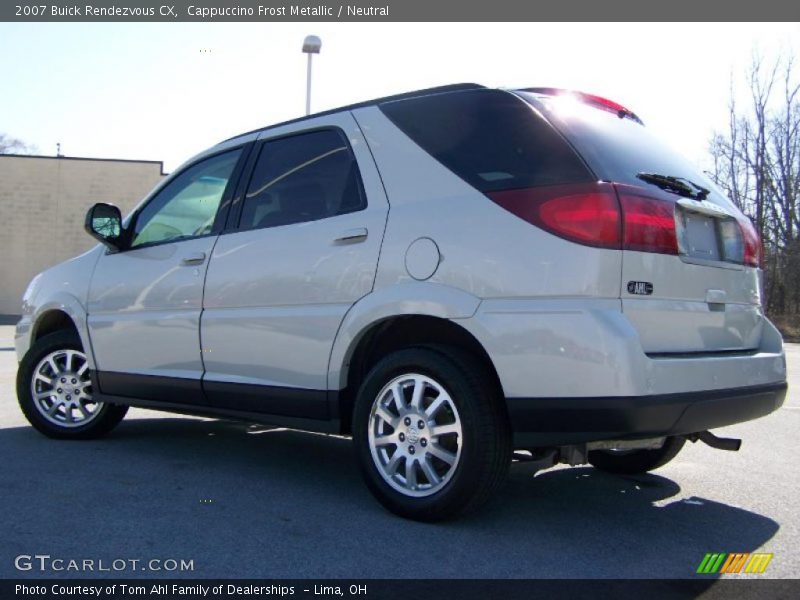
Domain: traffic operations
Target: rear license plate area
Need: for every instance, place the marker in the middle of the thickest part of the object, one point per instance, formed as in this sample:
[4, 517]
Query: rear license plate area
[700, 236]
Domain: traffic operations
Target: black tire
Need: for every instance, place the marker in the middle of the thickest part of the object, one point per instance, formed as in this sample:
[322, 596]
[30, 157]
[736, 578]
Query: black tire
[636, 462]
[107, 417]
[485, 448]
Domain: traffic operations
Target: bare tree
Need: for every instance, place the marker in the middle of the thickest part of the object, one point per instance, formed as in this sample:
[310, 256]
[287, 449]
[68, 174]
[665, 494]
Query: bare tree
[757, 162]
[10, 145]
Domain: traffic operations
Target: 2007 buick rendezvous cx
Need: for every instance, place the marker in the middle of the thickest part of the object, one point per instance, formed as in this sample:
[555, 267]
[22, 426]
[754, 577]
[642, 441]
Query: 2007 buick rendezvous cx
[448, 275]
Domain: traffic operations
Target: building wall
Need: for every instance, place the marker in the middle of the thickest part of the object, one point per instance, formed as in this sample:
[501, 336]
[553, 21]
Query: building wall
[43, 202]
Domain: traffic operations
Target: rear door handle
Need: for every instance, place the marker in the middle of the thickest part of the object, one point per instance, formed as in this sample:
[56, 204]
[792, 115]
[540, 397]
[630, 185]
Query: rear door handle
[193, 259]
[352, 236]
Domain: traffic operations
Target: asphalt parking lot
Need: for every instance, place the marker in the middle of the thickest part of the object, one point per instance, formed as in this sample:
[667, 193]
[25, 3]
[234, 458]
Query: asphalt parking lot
[247, 501]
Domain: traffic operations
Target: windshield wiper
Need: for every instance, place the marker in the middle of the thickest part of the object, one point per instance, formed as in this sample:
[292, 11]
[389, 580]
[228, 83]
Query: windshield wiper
[679, 185]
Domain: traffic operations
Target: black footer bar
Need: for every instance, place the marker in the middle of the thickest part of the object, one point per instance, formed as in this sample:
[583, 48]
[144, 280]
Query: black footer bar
[401, 589]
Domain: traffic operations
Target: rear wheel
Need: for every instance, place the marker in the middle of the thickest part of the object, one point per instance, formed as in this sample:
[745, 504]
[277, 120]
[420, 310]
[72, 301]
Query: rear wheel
[54, 390]
[431, 438]
[632, 462]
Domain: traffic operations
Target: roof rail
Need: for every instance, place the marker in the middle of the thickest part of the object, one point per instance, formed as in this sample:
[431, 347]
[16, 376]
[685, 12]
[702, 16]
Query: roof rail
[455, 87]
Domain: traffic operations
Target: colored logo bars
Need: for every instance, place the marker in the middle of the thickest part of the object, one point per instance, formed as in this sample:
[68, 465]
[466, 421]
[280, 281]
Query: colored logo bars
[733, 563]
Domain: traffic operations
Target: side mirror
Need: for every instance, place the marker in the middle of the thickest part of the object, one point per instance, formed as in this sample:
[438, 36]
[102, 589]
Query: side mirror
[104, 223]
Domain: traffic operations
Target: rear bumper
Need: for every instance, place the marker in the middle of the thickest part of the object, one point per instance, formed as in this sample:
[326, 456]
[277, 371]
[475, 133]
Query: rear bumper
[559, 421]
[587, 348]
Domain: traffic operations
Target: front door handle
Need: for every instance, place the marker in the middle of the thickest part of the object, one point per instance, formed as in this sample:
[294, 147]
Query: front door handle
[351, 236]
[194, 259]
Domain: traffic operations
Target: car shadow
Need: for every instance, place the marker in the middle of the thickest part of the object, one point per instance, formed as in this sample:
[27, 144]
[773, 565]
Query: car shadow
[244, 500]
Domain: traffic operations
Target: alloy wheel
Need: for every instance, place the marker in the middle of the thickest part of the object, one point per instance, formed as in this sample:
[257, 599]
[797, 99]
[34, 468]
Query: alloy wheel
[61, 389]
[415, 435]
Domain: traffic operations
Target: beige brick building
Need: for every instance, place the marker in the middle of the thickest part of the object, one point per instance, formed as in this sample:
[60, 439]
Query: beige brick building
[43, 202]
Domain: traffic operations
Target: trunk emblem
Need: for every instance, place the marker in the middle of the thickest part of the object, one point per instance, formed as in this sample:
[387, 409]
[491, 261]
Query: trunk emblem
[640, 288]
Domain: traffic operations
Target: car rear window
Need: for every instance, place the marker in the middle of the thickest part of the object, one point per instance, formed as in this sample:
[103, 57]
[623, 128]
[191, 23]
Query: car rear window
[615, 148]
[490, 138]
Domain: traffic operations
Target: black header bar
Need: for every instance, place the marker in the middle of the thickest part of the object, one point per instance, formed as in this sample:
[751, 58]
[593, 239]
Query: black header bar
[401, 10]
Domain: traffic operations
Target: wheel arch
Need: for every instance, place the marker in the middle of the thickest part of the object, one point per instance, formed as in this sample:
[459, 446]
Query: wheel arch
[65, 313]
[399, 324]
[51, 321]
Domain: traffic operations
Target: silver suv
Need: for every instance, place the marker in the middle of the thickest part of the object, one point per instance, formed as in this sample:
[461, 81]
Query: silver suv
[453, 276]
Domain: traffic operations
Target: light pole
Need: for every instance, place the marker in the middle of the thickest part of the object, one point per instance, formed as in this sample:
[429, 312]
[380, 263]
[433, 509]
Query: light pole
[311, 46]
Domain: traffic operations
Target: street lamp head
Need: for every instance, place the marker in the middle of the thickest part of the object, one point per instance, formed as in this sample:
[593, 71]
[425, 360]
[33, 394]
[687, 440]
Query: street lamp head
[312, 44]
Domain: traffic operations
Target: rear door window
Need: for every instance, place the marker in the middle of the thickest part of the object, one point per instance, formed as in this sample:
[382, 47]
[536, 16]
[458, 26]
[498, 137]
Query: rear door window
[490, 138]
[304, 177]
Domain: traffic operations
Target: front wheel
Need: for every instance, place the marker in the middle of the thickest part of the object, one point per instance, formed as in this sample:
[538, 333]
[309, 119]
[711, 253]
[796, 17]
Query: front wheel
[431, 438]
[54, 390]
[635, 462]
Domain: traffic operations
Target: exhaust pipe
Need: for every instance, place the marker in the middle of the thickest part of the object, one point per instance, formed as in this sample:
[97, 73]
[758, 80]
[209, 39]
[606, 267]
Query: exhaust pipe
[708, 438]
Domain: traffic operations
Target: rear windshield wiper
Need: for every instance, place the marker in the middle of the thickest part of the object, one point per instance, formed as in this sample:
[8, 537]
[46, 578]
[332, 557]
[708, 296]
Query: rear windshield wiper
[679, 185]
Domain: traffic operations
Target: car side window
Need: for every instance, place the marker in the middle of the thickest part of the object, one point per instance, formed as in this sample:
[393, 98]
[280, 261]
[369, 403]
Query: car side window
[304, 177]
[187, 206]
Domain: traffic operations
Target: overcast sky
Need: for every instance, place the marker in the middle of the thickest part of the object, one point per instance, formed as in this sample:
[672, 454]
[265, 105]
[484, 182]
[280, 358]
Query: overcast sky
[167, 91]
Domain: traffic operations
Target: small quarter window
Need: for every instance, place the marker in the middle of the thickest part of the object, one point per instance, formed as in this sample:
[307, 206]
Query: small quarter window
[489, 138]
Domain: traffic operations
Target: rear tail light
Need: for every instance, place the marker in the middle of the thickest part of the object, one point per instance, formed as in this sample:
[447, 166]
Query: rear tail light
[753, 255]
[593, 215]
[584, 213]
[620, 217]
[649, 224]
